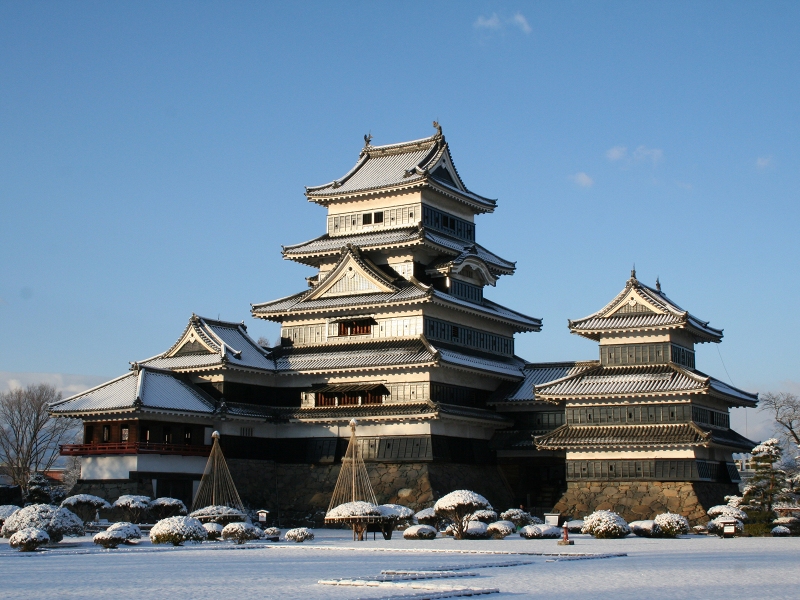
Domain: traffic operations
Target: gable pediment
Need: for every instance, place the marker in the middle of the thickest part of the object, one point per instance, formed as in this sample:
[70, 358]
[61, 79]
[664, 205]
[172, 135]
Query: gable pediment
[445, 172]
[634, 303]
[351, 276]
[191, 343]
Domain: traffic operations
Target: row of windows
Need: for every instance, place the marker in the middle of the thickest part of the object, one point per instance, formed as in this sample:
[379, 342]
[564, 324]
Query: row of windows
[456, 394]
[711, 417]
[166, 436]
[466, 336]
[676, 470]
[643, 354]
[315, 334]
[357, 221]
[540, 420]
[667, 413]
[348, 398]
[466, 291]
[441, 221]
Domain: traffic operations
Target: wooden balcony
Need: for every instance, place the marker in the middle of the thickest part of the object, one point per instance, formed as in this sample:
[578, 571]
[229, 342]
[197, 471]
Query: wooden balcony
[133, 448]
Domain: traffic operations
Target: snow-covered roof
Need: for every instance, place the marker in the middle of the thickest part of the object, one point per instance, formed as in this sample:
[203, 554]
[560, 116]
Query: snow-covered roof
[144, 388]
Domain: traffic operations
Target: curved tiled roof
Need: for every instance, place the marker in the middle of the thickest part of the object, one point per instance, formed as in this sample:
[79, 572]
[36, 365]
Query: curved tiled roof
[640, 380]
[369, 354]
[668, 315]
[297, 302]
[539, 374]
[407, 164]
[143, 388]
[510, 366]
[575, 437]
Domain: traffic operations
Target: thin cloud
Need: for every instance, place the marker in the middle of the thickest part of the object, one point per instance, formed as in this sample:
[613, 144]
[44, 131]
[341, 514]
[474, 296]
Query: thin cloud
[492, 23]
[644, 153]
[616, 153]
[582, 179]
[495, 23]
[520, 21]
[67, 384]
[763, 162]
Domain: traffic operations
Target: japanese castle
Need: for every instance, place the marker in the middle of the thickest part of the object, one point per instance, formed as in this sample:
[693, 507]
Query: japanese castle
[394, 329]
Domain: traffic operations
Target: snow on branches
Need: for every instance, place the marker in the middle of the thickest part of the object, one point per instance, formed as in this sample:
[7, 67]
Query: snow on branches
[459, 506]
[299, 534]
[605, 524]
[177, 530]
[56, 521]
[532, 532]
[350, 510]
[29, 539]
[671, 525]
[420, 532]
[241, 532]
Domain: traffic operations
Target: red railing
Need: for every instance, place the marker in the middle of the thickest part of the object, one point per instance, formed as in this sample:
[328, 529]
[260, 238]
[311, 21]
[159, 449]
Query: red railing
[133, 448]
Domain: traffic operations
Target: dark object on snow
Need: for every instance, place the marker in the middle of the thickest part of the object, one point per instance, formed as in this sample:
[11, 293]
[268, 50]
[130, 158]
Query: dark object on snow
[39, 490]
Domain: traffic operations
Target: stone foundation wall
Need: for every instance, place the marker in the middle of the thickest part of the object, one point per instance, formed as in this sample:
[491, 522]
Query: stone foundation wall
[644, 499]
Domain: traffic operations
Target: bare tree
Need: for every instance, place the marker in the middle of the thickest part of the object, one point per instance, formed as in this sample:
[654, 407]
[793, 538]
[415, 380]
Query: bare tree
[785, 409]
[29, 436]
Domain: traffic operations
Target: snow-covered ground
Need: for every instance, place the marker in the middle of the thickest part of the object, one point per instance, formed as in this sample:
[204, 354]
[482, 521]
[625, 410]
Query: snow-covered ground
[689, 567]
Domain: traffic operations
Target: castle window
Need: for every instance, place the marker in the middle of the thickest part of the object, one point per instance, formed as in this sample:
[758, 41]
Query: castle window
[246, 431]
[359, 327]
[379, 217]
[124, 433]
[89, 436]
[167, 435]
[144, 434]
[187, 435]
[366, 218]
[106, 433]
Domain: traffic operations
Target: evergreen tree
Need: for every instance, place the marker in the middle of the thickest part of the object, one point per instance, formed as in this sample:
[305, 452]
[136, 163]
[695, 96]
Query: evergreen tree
[768, 484]
[38, 490]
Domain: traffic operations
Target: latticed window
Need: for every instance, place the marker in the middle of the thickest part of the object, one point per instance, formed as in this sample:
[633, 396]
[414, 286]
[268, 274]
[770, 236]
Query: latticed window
[359, 327]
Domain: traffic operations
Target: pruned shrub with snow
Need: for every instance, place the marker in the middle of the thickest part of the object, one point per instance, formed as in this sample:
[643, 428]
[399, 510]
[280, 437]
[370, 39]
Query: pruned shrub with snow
[240, 532]
[428, 516]
[532, 532]
[500, 529]
[218, 514]
[213, 530]
[272, 534]
[485, 516]
[646, 528]
[29, 539]
[396, 512]
[459, 506]
[791, 523]
[129, 530]
[134, 507]
[476, 530]
[177, 530]
[354, 509]
[575, 525]
[780, 531]
[109, 539]
[161, 508]
[56, 521]
[299, 534]
[700, 529]
[715, 526]
[6, 510]
[420, 532]
[85, 505]
[672, 525]
[520, 518]
[605, 524]
[723, 510]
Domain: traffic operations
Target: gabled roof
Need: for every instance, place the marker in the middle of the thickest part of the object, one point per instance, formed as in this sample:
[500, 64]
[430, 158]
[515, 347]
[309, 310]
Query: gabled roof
[639, 307]
[352, 274]
[207, 343]
[538, 374]
[419, 163]
[143, 389]
[591, 437]
[361, 355]
[311, 252]
[640, 380]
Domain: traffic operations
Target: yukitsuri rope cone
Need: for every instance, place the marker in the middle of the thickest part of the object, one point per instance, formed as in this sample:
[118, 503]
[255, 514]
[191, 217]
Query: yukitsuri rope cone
[216, 486]
[353, 501]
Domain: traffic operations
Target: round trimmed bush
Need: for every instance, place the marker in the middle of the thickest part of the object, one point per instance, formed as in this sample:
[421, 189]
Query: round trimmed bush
[240, 532]
[299, 534]
[29, 539]
[354, 509]
[500, 529]
[129, 530]
[56, 521]
[272, 534]
[646, 528]
[177, 530]
[134, 507]
[167, 507]
[484, 516]
[213, 530]
[520, 518]
[605, 524]
[723, 510]
[420, 532]
[459, 506]
[476, 530]
[672, 525]
[575, 525]
[109, 539]
[532, 532]
[85, 505]
[218, 514]
[781, 531]
[6, 510]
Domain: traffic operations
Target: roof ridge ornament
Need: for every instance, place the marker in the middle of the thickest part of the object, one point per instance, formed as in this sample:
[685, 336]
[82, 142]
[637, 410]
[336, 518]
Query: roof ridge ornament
[658, 285]
[438, 129]
[367, 139]
[633, 272]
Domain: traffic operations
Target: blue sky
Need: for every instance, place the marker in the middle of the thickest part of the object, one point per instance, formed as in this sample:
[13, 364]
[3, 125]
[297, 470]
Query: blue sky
[153, 158]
